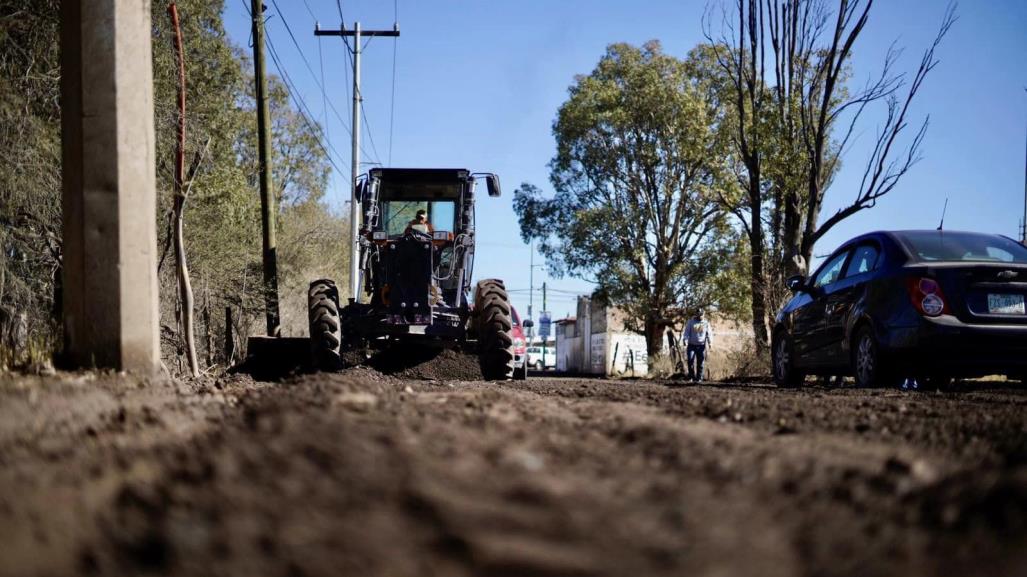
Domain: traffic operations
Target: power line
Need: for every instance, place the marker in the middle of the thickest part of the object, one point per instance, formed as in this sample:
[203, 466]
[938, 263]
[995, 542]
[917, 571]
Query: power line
[349, 56]
[369, 135]
[342, 20]
[301, 105]
[320, 84]
[309, 11]
[324, 93]
[392, 100]
[303, 56]
[295, 97]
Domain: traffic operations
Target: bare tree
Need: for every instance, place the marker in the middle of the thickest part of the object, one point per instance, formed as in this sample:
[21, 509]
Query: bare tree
[889, 159]
[784, 127]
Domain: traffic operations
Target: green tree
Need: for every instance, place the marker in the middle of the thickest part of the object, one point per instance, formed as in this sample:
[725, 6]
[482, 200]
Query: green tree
[635, 210]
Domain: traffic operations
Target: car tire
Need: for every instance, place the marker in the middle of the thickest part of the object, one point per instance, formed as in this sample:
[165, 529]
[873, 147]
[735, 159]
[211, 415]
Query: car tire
[783, 362]
[538, 365]
[868, 364]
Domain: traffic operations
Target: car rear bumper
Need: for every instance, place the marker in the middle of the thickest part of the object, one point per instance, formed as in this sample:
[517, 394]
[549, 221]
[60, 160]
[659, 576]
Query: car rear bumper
[946, 344]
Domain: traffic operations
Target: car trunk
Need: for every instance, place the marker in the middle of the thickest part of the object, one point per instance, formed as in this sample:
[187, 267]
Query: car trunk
[983, 293]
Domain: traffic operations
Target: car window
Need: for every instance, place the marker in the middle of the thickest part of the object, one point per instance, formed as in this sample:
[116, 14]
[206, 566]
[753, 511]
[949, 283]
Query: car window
[832, 271]
[962, 246]
[864, 260]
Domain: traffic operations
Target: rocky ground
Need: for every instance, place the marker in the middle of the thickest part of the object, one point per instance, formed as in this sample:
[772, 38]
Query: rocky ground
[366, 473]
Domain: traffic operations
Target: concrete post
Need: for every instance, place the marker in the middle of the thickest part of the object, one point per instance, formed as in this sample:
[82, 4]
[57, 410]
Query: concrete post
[109, 186]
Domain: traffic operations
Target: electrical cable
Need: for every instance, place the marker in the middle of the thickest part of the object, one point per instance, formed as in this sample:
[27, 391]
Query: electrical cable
[297, 100]
[301, 105]
[392, 100]
[324, 93]
[303, 56]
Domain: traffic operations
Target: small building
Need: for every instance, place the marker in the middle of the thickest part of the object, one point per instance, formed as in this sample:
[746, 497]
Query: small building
[596, 342]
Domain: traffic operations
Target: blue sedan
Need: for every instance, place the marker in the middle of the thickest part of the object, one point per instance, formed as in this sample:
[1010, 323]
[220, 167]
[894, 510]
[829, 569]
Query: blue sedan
[885, 306]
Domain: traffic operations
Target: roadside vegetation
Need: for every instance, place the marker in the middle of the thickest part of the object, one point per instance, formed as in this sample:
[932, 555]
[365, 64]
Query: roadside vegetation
[221, 218]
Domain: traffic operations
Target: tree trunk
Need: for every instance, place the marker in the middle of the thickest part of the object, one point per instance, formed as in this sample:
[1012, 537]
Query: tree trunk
[758, 280]
[229, 340]
[654, 328]
[181, 268]
[208, 331]
[185, 289]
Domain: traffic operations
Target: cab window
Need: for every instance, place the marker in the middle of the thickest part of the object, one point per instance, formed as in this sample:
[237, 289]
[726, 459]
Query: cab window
[864, 259]
[398, 214]
[832, 271]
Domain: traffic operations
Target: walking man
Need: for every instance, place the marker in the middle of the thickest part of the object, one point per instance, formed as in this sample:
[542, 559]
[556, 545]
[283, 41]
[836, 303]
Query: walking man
[697, 338]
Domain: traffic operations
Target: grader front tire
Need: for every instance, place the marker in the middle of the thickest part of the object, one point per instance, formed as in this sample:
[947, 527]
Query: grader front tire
[325, 325]
[495, 326]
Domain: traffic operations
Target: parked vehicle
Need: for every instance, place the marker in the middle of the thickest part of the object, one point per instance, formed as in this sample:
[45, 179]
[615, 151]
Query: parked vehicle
[926, 304]
[535, 361]
[520, 361]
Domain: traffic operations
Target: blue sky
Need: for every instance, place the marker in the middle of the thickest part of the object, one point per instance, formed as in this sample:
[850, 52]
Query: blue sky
[478, 84]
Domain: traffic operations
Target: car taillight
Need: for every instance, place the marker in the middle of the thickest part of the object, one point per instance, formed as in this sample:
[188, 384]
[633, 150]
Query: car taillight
[518, 343]
[927, 296]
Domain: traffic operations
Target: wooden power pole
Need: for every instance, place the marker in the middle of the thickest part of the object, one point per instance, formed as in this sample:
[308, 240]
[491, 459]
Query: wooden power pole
[267, 197]
[354, 205]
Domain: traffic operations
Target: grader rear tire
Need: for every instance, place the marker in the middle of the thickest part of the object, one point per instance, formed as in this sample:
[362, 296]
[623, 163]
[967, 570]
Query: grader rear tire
[325, 325]
[495, 326]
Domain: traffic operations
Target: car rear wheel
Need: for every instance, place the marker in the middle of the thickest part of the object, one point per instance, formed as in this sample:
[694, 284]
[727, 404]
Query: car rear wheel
[783, 360]
[538, 365]
[868, 365]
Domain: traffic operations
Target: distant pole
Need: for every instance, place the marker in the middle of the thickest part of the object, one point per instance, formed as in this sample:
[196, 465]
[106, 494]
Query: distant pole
[267, 198]
[1023, 234]
[531, 288]
[546, 338]
[354, 205]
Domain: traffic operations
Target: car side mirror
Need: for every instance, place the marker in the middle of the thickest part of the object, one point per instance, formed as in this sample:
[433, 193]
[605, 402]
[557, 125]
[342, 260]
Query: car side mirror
[796, 283]
[492, 183]
[528, 323]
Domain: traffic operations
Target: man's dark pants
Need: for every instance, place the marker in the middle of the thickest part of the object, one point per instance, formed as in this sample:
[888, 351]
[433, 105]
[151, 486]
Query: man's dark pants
[696, 361]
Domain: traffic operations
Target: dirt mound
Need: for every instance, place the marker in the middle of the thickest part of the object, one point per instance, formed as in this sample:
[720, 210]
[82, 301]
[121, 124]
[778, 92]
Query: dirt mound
[411, 362]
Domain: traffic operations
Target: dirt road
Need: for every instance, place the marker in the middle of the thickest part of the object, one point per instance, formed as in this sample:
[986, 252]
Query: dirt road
[359, 473]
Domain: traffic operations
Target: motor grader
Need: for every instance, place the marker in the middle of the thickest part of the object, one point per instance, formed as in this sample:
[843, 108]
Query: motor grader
[416, 258]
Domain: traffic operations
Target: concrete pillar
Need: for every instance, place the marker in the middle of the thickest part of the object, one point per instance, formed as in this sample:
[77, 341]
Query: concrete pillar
[109, 186]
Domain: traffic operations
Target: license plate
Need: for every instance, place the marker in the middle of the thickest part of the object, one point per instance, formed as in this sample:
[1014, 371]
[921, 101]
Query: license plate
[1006, 304]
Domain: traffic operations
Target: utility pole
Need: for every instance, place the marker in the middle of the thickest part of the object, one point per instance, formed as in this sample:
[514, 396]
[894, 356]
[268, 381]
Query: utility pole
[354, 205]
[267, 197]
[546, 337]
[1023, 233]
[531, 289]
